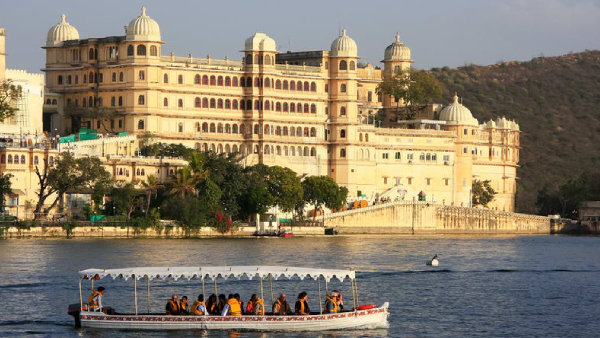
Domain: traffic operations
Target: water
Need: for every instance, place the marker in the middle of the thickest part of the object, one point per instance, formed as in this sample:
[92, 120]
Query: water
[538, 286]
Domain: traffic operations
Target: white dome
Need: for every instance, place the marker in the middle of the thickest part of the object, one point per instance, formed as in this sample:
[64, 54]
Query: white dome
[63, 31]
[397, 51]
[143, 28]
[260, 42]
[456, 113]
[344, 46]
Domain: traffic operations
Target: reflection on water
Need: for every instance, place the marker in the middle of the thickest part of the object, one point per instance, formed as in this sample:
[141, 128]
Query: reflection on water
[490, 286]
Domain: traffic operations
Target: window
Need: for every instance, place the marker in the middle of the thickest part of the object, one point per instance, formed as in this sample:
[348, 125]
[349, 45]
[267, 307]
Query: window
[465, 131]
[326, 88]
[120, 124]
[306, 109]
[197, 102]
[343, 65]
[84, 78]
[100, 77]
[292, 107]
[204, 103]
[409, 157]
[165, 102]
[465, 150]
[213, 103]
[166, 78]
[180, 103]
[141, 50]
[278, 84]
[60, 79]
[84, 102]
[153, 51]
[249, 59]
[227, 104]
[313, 108]
[120, 101]
[16, 159]
[267, 82]
[113, 101]
[422, 157]
[306, 86]
[464, 182]
[180, 127]
[205, 80]
[213, 80]
[299, 85]
[141, 124]
[235, 104]
[352, 65]
[10, 161]
[235, 81]
[385, 156]
[409, 179]
[114, 77]
[342, 152]
[180, 79]
[446, 181]
[370, 96]
[385, 180]
[227, 81]
[285, 84]
[257, 82]
[343, 133]
[343, 88]
[397, 156]
[220, 104]
[343, 111]
[121, 77]
[243, 82]
[446, 158]
[36, 160]
[292, 85]
[278, 106]
[428, 181]
[142, 75]
[141, 100]
[313, 87]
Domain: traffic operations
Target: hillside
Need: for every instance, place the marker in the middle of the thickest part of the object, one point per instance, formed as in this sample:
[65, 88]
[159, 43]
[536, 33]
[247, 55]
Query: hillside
[556, 101]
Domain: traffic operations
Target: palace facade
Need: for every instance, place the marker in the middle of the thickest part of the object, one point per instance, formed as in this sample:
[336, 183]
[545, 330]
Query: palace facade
[311, 111]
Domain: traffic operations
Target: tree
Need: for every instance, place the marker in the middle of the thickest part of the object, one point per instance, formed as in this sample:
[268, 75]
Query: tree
[209, 193]
[127, 198]
[188, 211]
[481, 193]
[285, 187]
[415, 88]
[322, 190]
[102, 114]
[152, 184]
[5, 188]
[184, 182]
[564, 199]
[67, 173]
[9, 93]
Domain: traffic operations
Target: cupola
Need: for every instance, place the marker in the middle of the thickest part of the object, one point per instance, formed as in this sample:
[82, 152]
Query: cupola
[143, 28]
[344, 46]
[61, 32]
[456, 113]
[397, 51]
[260, 42]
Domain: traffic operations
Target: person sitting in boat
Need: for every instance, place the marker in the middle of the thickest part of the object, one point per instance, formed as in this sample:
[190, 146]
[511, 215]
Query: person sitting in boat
[255, 306]
[302, 308]
[95, 300]
[281, 306]
[173, 308]
[184, 306]
[222, 303]
[232, 308]
[239, 299]
[198, 308]
[211, 305]
[338, 300]
[330, 304]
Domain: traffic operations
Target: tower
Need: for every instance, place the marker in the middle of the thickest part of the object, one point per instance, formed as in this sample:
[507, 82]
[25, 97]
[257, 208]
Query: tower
[2, 54]
[396, 60]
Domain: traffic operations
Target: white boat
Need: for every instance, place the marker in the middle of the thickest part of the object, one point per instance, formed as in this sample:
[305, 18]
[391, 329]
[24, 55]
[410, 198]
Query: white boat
[434, 261]
[359, 317]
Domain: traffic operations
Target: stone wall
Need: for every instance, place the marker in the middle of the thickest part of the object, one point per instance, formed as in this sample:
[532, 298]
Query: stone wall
[426, 218]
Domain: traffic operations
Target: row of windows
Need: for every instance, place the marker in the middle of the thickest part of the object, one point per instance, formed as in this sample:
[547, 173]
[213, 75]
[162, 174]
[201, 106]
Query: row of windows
[266, 149]
[259, 59]
[23, 160]
[409, 181]
[422, 157]
[227, 81]
[141, 50]
[243, 105]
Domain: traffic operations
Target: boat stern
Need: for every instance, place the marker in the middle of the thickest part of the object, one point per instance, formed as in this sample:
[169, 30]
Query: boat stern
[75, 310]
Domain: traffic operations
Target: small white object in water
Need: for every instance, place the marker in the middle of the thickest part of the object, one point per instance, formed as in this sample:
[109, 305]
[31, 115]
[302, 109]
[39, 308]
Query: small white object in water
[434, 261]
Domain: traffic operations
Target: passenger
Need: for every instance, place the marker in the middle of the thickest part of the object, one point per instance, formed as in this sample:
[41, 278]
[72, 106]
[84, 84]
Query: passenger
[281, 306]
[250, 306]
[222, 303]
[184, 306]
[232, 308]
[330, 304]
[255, 306]
[302, 304]
[95, 300]
[172, 307]
[198, 308]
[239, 299]
[211, 305]
[339, 300]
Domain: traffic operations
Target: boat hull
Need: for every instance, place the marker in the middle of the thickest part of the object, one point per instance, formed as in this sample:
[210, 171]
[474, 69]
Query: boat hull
[361, 319]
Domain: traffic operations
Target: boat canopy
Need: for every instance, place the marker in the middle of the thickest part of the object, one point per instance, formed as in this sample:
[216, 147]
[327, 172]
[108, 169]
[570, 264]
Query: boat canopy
[214, 272]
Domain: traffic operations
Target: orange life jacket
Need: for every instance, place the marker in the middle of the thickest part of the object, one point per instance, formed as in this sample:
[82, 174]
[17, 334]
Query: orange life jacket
[335, 306]
[302, 310]
[261, 307]
[195, 310]
[235, 309]
[93, 301]
[175, 306]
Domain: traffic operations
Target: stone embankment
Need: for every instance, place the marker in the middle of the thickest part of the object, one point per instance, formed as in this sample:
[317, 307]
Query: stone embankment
[416, 218]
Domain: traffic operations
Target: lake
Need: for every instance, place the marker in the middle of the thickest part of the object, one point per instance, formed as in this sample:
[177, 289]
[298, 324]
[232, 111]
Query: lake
[529, 286]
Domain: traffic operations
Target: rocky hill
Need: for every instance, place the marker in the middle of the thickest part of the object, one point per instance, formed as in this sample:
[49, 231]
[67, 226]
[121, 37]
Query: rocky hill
[556, 101]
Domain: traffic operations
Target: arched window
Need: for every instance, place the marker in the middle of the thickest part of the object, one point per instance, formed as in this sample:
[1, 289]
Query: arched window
[91, 54]
[213, 103]
[141, 100]
[267, 82]
[180, 103]
[36, 160]
[227, 128]
[342, 111]
[299, 132]
[278, 131]
[197, 79]
[256, 105]
[256, 82]
[306, 132]
[292, 131]
[313, 87]
[285, 131]
[120, 101]
[306, 151]
[306, 86]
[242, 104]
[205, 127]
[220, 80]
[204, 103]
[114, 77]
[142, 75]
[267, 60]
[84, 102]
[197, 102]
[16, 159]
[256, 129]
[121, 77]
[352, 65]
[153, 51]
[266, 129]
[249, 59]
[180, 127]
[278, 106]
[313, 152]
[113, 101]
[130, 50]
[205, 80]
[227, 81]
[285, 107]
[313, 132]
[180, 79]
[234, 129]
[220, 128]
[343, 133]
[267, 105]
[213, 80]
[10, 161]
[299, 85]
[84, 78]
[342, 152]
[249, 104]
[292, 107]
[220, 104]
[227, 104]
[306, 109]
[23, 159]
[91, 77]
[313, 108]
[366, 137]
[235, 81]
[360, 137]
[343, 65]
[141, 50]
[141, 124]
[166, 78]
[235, 105]
[292, 85]
[242, 82]
[197, 127]
[285, 84]
[343, 88]
[278, 84]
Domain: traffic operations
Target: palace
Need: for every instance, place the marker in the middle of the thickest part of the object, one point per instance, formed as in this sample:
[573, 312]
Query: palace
[311, 111]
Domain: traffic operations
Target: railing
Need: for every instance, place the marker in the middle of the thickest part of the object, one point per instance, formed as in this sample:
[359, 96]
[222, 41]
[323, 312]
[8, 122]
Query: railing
[201, 61]
[296, 68]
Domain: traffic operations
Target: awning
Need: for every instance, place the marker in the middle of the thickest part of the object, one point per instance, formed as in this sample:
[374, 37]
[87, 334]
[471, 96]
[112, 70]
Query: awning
[17, 192]
[214, 272]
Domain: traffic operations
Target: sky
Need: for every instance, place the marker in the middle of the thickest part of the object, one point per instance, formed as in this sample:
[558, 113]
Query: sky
[438, 32]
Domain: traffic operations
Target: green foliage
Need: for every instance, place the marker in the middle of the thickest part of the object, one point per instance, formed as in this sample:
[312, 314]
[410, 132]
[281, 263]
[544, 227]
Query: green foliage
[126, 199]
[565, 197]
[5, 188]
[555, 106]
[322, 190]
[285, 187]
[165, 149]
[188, 211]
[9, 94]
[481, 193]
[210, 193]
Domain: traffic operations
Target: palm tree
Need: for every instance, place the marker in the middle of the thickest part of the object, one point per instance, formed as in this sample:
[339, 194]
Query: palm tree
[151, 185]
[184, 182]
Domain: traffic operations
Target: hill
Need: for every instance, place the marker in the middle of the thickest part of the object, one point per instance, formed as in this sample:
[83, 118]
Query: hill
[555, 100]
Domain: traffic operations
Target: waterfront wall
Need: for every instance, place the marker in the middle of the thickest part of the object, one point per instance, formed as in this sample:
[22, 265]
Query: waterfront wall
[425, 218]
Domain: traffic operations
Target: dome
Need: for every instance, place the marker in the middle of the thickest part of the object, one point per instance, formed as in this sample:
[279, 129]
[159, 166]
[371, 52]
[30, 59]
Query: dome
[397, 51]
[344, 46]
[63, 31]
[143, 28]
[456, 113]
[260, 42]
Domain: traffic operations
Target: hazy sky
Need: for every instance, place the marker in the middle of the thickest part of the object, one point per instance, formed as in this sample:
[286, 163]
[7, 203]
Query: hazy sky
[438, 33]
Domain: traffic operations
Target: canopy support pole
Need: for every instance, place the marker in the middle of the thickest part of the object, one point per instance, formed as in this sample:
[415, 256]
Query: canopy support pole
[261, 288]
[356, 288]
[80, 296]
[148, 295]
[326, 287]
[271, 286]
[204, 295]
[353, 294]
[92, 284]
[320, 301]
[135, 293]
